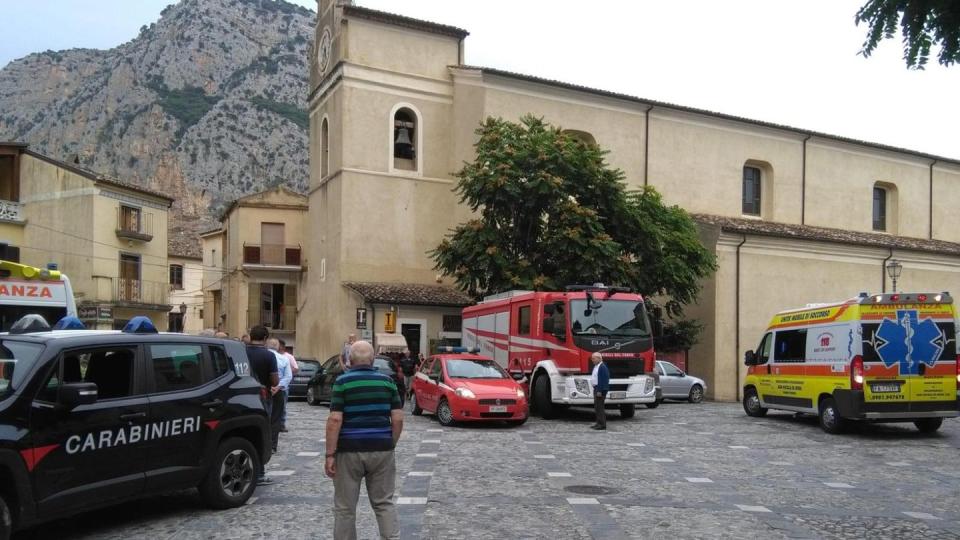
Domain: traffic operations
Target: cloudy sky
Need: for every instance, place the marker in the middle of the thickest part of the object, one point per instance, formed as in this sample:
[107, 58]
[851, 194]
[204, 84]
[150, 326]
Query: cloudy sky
[793, 62]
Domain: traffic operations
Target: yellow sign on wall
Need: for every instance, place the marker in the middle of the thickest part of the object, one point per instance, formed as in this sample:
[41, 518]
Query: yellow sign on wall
[390, 322]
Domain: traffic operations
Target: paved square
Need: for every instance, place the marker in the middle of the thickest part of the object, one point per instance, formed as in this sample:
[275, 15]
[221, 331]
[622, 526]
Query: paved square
[560, 480]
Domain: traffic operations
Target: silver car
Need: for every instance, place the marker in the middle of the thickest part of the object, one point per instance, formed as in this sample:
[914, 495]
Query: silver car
[676, 384]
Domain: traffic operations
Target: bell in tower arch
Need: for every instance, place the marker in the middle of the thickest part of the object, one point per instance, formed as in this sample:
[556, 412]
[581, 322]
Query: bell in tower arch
[403, 146]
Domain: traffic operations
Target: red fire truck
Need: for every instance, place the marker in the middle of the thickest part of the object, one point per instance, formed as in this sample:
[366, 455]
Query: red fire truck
[547, 338]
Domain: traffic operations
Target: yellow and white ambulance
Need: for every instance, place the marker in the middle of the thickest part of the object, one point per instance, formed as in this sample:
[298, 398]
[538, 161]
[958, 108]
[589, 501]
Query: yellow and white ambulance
[882, 358]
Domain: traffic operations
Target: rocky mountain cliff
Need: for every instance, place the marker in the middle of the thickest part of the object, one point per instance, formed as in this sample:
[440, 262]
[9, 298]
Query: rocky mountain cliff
[206, 104]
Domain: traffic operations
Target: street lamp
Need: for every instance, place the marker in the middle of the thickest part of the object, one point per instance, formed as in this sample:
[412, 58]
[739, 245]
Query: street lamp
[183, 315]
[893, 270]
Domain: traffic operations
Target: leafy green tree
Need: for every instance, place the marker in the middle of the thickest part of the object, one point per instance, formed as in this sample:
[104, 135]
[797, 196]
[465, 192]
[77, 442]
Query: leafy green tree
[923, 23]
[550, 212]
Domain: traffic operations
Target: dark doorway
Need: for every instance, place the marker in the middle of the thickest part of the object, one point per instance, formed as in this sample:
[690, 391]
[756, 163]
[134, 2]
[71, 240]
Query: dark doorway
[175, 322]
[412, 334]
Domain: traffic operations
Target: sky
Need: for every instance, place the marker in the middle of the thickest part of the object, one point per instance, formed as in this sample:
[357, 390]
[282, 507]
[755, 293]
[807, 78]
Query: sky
[790, 62]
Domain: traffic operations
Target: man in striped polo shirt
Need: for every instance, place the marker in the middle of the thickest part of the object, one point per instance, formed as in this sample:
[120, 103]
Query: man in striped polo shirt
[365, 422]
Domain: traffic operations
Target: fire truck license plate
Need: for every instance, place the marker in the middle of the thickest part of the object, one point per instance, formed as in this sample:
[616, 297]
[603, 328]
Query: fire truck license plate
[618, 395]
[884, 387]
[498, 408]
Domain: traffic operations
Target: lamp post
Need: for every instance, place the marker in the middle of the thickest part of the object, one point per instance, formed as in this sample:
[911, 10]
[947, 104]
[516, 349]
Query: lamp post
[183, 315]
[893, 270]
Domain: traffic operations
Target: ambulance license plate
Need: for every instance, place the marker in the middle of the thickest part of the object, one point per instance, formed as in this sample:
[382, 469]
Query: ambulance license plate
[878, 388]
[498, 408]
[618, 395]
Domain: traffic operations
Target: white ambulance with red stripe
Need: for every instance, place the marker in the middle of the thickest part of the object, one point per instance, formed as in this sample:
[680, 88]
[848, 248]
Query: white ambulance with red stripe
[546, 339]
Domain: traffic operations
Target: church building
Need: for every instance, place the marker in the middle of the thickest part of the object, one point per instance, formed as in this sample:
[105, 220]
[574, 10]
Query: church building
[794, 216]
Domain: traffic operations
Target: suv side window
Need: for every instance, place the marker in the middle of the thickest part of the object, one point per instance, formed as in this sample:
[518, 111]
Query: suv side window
[219, 364]
[176, 366]
[110, 368]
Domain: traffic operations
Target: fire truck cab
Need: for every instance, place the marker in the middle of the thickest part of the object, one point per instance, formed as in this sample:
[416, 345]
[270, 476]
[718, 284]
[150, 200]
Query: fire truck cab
[546, 339]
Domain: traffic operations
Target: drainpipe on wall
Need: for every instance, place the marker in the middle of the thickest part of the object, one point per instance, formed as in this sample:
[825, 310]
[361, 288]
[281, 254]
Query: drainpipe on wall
[373, 326]
[736, 296]
[803, 184]
[883, 272]
[646, 145]
[931, 197]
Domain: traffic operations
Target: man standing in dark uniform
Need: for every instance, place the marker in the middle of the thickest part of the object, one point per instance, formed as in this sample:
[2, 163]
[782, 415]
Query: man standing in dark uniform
[263, 367]
[600, 378]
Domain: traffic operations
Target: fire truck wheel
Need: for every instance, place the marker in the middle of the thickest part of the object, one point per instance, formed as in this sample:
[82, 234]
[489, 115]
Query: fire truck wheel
[830, 419]
[654, 405]
[541, 397]
[628, 410]
[751, 404]
[6, 522]
[415, 408]
[928, 425]
[444, 413]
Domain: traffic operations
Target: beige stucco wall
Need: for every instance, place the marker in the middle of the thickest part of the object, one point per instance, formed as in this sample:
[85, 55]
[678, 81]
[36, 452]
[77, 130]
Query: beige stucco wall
[400, 49]
[816, 272]
[191, 294]
[946, 201]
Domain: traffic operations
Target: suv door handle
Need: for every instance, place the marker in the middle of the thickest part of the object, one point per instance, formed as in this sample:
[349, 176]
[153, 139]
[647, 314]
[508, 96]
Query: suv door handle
[214, 403]
[133, 416]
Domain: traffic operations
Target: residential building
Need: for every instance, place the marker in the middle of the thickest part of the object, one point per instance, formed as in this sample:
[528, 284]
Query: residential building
[109, 236]
[253, 265]
[393, 113]
[186, 292]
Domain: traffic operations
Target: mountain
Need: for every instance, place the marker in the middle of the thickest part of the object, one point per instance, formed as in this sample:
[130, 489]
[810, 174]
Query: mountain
[206, 104]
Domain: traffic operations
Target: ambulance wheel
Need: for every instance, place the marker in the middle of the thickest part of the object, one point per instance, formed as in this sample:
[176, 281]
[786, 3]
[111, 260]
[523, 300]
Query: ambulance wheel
[627, 410]
[830, 420]
[541, 397]
[415, 408]
[312, 396]
[444, 413]
[696, 394]
[6, 521]
[928, 425]
[232, 476]
[751, 404]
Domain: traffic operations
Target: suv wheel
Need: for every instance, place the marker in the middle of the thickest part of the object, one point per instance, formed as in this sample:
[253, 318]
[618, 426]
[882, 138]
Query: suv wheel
[312, 396]
[232, 476]
[6, 521]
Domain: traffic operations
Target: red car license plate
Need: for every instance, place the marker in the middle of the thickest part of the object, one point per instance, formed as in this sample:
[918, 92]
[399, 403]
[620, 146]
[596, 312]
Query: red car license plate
[498, 408]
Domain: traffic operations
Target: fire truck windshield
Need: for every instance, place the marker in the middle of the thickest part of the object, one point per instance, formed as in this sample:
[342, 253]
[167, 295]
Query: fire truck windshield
[611, 318]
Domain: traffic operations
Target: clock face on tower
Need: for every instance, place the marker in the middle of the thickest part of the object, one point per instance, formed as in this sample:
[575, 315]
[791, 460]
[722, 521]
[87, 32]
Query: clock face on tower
[323, 50]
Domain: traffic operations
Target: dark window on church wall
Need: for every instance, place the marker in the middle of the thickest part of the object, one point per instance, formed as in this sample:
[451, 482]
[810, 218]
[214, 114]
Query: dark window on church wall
[879, 209]
[751, 191]
[324, 149]
[405, 140]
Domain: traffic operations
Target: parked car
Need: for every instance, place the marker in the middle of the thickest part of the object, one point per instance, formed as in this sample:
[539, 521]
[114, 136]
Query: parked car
[91, 418]
[464, 387]
[678, 385]
[308, 368]
[320, 386]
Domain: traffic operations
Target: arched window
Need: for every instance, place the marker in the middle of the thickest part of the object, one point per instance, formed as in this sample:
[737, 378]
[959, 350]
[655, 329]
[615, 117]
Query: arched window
[324, 148]
[884, 207]
[405, 139]
[581, 136]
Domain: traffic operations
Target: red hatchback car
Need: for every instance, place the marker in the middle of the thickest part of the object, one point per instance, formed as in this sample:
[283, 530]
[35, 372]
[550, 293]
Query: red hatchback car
[463, 387]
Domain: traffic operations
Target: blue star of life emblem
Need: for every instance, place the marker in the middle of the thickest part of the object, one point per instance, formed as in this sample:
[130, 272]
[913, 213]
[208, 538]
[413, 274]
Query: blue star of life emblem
[909, 342]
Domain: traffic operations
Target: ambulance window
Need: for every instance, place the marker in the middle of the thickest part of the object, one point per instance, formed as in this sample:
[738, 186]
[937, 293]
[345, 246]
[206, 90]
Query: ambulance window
[763, 351]
[790, 346]
[523, 324]
[176, 367]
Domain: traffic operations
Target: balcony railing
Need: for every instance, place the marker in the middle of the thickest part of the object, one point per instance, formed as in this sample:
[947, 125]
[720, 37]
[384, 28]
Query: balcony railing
[134, 225]
[140, 292]
[11, 211]
[271, 254]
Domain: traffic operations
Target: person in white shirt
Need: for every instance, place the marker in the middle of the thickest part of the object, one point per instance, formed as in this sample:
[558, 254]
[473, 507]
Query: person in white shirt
[279, 392]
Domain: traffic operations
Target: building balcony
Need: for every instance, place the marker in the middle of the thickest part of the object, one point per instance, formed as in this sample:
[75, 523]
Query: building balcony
[272, 256]
[11, 211]
[133, 225]
[135, 291]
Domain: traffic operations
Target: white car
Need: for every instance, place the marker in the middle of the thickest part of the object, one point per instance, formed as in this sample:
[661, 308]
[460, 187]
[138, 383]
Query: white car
[675, 384]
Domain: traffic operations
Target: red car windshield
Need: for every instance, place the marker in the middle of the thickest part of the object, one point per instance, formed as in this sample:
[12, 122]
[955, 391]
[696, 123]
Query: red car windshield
[474, 369]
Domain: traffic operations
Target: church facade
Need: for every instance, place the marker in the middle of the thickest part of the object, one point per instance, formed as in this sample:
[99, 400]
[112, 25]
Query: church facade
[794, 216]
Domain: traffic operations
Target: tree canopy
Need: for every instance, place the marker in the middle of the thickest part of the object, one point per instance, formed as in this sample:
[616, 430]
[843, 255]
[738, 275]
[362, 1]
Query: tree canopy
[551, 212]
[923, 23]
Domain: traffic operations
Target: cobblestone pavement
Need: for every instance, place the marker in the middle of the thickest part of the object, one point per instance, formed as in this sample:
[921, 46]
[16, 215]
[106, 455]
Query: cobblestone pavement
[679, 471]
